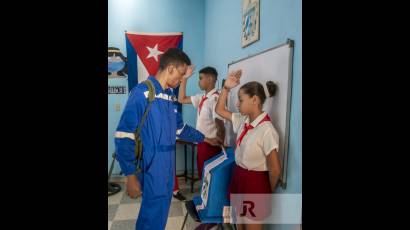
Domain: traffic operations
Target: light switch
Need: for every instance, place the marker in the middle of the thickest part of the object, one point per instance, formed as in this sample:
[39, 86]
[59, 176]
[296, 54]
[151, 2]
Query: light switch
[117, 107]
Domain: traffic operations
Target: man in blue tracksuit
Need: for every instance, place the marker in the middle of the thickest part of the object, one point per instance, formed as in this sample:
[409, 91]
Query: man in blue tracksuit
[158, 134]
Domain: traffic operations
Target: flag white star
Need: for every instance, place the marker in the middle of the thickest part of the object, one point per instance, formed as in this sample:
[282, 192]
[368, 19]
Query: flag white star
[154, 52]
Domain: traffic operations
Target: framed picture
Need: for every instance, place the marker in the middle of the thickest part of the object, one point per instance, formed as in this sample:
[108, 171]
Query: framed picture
[250, 22]
[117, 63]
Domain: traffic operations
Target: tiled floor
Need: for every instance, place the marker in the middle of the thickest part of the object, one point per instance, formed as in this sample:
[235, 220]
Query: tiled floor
[123, 211]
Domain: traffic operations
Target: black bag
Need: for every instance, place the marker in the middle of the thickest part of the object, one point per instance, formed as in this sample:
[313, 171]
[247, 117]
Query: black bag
[138, 143]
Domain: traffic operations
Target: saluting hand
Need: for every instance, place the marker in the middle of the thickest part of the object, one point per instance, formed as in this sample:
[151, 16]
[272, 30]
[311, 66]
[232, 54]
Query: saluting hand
[189, 71]
[233, 79]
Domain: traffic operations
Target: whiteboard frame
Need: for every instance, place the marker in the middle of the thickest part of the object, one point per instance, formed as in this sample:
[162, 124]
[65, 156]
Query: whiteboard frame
[284, 166]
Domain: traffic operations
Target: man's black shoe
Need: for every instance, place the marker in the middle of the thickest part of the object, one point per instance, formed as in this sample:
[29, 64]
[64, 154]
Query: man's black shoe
[179, 196]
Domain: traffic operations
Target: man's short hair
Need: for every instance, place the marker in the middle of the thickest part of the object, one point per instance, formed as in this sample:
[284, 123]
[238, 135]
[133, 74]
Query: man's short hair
[173, 56]
[210, 70]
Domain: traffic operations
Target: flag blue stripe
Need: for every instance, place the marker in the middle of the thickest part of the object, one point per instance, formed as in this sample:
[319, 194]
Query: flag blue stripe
[132, 65]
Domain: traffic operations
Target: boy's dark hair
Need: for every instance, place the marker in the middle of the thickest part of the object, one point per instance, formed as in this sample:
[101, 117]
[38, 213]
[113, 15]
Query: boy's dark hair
[210, 70]
[173, 56]
[255, 88]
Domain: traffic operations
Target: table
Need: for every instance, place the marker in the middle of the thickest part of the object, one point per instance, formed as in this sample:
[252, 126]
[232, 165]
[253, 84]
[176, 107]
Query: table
[192, 176]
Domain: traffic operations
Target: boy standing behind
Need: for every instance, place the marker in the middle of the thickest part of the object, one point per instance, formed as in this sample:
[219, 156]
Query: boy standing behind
[208, 121]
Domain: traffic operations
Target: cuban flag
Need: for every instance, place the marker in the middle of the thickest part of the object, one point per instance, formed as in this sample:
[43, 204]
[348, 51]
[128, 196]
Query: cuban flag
[144, 51]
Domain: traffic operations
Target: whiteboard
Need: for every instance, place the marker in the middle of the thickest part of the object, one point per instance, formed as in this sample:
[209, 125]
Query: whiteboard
[274, 64]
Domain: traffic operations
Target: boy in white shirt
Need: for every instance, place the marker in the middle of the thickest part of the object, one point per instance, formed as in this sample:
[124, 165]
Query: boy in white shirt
[208, 122]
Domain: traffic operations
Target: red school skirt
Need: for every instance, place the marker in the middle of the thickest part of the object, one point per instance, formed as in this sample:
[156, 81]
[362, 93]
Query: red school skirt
[245, 181]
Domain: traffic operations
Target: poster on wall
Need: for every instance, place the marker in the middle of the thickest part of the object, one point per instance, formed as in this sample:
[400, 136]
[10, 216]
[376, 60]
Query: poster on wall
[117, 89]
[117, 63]
[250, 22]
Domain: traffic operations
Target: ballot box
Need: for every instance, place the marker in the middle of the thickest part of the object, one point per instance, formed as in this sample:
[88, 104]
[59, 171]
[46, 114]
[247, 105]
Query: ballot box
[213, 196]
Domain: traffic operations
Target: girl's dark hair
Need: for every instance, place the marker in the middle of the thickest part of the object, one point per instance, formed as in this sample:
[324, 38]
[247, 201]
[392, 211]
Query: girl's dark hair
[272, 88]
[255, 88]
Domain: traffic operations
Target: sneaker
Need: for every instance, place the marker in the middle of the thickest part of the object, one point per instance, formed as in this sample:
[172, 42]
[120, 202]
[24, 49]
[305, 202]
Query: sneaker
[179, 196]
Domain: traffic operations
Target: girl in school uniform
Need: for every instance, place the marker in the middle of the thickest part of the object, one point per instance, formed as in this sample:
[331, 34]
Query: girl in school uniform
[257, 165]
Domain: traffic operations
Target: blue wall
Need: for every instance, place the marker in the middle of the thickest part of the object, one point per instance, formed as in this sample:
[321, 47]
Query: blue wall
[279, 20]
[185, 16]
